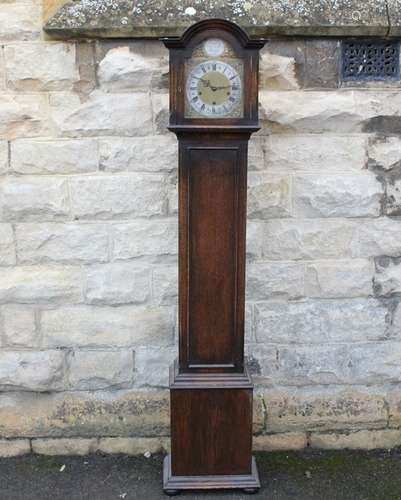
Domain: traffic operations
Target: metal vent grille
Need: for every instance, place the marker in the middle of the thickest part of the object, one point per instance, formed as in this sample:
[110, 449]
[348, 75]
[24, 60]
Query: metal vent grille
[370, 60]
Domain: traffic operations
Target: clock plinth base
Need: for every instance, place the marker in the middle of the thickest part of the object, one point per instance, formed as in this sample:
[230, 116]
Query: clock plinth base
[249, 483]
[211, 432]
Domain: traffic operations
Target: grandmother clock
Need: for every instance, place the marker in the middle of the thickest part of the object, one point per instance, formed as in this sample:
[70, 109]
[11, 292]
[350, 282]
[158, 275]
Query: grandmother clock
[213, 112]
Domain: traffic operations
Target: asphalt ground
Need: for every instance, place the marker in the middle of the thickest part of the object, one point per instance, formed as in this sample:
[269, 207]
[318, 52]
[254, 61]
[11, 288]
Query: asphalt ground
[307, 475]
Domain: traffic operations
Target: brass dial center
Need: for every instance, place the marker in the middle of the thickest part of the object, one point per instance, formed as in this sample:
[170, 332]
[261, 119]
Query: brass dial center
[214, 88]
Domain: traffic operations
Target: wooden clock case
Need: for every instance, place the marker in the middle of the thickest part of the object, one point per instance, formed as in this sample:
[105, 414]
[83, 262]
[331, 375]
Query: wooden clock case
[210, 388]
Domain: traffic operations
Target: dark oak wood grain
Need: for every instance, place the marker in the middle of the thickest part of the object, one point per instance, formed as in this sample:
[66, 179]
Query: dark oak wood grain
[212, 180]
[212, 183]
[211, 391]
[202, 417]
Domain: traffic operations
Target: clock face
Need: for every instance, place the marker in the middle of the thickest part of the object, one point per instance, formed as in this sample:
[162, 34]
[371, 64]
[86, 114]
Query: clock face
[214, 81]
[214, 87]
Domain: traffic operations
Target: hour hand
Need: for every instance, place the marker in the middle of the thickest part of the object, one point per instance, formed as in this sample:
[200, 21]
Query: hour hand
[206, 83]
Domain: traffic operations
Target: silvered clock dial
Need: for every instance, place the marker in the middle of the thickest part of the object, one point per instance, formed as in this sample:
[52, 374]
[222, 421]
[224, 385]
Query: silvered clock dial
[214, 87]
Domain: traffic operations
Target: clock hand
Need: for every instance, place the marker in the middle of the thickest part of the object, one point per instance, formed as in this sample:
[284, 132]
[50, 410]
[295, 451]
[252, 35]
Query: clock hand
[206, 83]
[222, 87]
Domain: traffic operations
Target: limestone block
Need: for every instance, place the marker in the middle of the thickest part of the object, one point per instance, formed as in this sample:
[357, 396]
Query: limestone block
[336, 279]
[117, 283]
[33, 198]
[256, 156]
[377, 237]
[14, 447]
[161, 114]
[361, 440]
[7, 249]
[280, 442]
[387, 279]
[141, 154]
[41, 66]
[2, 71]
[94, 370]
[385, 152]
[319, 111]
[290, 49]
[303, 239]
[31, 371]
[299, 365]
[321, 321]
[19, 326]
[73, 156]
[315, 153]
[248, 327]
[165, 285]
[147, 237]
[337, 196]
[124, 69]
[256, 234]
[23, 115]
[123, 61]
[330, 364]
[277, 72]
[322, 63]
[393, 196]
[3, 157]
[39, 284]
[85, 50]
[123, 326]
[152, 366]
[67, 243]
[64, 446]
[267, 280]
[20, 20]
[259, 414]
[331, 408]
[85, 414]
[309, 111]
[393, 398]
[381, 111]
[130, 445]
[268, 196]
[106, 197]
[173, 193]
[113, 114]
[375, 363]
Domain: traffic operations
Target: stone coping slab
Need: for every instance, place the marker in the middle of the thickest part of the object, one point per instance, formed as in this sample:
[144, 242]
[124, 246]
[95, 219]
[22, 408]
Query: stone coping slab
[260, 18]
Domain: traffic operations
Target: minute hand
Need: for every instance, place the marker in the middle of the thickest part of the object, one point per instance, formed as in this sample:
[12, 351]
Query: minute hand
[221, 87]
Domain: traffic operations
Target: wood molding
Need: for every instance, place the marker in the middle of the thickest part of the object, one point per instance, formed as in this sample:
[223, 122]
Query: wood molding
[172, 483]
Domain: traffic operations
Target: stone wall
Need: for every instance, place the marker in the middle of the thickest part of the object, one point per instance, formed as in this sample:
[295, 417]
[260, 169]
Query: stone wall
[88, 247]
